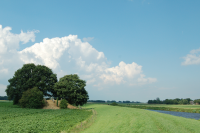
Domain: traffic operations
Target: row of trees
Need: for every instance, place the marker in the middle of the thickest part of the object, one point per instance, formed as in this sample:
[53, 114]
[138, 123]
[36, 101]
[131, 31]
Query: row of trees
[97, 101]
[170, 101]
[102, 101]
[197, 101]
[3, 98]
[128, 102]
[69, 87]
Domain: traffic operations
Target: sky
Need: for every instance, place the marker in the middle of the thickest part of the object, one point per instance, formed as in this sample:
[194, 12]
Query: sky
[133, 50]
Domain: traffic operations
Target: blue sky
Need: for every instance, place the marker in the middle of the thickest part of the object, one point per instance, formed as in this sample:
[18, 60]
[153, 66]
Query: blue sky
[125, 50]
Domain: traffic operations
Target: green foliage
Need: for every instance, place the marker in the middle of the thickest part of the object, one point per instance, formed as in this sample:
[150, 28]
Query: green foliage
[30, 76]
[71, 88]
[22, 120]
[114, 104]
[32, 98]
[170, 101]
[63, 104]
[197, 101]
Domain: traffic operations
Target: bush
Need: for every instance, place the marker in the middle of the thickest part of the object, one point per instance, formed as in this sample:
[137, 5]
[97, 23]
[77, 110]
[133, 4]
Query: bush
[63, 104]
[57, 102]
[114, 104]
[32, 98]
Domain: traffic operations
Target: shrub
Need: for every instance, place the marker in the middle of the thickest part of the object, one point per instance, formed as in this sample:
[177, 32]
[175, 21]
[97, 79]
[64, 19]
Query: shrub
[57, 101]
[32, 98]
[63, 104]
[114, 104]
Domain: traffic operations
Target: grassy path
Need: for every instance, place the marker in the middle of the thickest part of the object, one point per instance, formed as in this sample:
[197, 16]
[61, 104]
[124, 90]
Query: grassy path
[111, 119]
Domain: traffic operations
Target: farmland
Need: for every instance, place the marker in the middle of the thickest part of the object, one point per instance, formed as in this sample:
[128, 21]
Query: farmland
[108, 119]
[126, 120]
[15, 119]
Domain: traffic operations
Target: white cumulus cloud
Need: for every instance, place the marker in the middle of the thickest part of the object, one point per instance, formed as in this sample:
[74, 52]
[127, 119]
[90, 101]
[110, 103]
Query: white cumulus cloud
[9, 56]
[192, 58]
[67, 55]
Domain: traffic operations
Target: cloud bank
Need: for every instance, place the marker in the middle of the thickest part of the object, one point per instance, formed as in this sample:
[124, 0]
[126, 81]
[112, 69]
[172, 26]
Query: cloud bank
[66, 55]
[192, 58]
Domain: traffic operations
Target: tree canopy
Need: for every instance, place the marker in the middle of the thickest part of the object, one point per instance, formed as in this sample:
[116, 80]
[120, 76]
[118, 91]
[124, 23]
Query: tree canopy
[30, 76]
[71, 88]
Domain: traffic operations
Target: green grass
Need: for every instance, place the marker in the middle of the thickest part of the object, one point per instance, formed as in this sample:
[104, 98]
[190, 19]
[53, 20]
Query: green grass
[14, 119]
[115, 119]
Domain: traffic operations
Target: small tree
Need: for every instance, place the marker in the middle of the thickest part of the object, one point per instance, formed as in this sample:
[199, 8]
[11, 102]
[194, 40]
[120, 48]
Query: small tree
[63, 104]
[71, 88]
[32, 98]
[114, 104]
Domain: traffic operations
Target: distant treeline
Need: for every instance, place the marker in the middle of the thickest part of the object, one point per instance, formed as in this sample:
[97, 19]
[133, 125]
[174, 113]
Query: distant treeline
[3, 98]
[103, 101]
[174, 101]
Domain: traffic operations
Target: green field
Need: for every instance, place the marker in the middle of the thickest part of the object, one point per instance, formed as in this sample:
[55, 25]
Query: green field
[15, 119]
[114, 119]
[109, 119]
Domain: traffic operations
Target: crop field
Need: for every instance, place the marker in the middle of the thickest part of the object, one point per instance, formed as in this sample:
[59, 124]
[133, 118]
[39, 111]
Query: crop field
[115, 119]
[15, 119]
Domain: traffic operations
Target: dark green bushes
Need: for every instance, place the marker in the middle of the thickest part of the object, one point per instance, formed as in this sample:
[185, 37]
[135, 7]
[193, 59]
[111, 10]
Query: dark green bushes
[63, 104]
[197, 101]
[114, 104]
[32, 98]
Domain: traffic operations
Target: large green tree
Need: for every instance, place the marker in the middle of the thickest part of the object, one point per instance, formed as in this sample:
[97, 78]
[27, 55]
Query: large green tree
[30, 76]
[71, 88]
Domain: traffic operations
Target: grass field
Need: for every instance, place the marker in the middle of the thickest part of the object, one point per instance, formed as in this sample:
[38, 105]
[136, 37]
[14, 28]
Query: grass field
[15, 119]
[114, 119]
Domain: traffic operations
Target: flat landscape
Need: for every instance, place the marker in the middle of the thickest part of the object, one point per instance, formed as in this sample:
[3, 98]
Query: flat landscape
[114, 119]
[109, 119]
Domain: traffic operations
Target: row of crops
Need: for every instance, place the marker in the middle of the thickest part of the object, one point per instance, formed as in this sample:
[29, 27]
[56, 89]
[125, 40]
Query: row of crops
[13, 119]
[164, 108]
